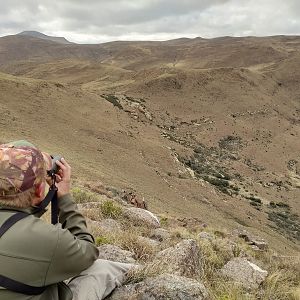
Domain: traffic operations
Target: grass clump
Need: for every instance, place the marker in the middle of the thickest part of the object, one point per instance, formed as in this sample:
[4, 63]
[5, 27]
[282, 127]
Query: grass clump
[109, 209]
[141, 249]
[102, 240]
[83, 196]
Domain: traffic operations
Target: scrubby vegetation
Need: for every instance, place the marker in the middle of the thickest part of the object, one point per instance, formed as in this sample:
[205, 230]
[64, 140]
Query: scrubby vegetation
[205, 162]
[286, 222]
[113, 100]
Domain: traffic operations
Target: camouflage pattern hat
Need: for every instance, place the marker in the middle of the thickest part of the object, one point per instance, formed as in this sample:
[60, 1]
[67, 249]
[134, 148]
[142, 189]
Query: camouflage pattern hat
[22, 166]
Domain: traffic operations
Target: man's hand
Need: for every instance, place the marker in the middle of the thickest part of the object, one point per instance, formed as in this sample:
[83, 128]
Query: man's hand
[63, 178]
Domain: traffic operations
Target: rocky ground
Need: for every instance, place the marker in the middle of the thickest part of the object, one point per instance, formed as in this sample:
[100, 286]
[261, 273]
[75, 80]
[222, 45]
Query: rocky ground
[183, 258]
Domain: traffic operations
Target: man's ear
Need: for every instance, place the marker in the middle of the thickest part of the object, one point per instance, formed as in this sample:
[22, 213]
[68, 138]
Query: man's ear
[39, 190]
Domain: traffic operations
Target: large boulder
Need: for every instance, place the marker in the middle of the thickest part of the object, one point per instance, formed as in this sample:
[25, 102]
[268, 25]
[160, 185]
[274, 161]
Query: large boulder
[244, 272]
[183, 259]
[141, 216]
[115, 253]
[163, 287]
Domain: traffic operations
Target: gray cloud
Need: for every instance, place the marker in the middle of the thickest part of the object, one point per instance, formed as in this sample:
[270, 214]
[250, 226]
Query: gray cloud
[103, 20]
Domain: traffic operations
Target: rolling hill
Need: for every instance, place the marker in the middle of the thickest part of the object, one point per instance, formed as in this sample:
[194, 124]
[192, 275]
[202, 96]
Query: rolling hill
[204, 129]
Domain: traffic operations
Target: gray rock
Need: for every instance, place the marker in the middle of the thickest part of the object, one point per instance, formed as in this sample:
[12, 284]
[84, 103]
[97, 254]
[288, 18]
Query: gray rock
[244, 272]
[163, 287]
[141, 216]
[109, 225]
[206, 236]
[183, 259]
[160, 234]
[115, 253]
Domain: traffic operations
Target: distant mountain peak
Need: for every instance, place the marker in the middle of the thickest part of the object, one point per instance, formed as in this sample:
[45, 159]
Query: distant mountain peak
[39, 35]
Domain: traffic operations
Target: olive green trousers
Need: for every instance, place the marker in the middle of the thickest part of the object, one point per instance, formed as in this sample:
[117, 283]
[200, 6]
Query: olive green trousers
[99, 280]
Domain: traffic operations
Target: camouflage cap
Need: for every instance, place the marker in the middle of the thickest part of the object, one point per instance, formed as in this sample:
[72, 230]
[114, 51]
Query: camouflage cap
[22, 166]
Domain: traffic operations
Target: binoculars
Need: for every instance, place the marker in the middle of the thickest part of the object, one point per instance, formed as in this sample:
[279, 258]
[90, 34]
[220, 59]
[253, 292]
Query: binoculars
[55, 167]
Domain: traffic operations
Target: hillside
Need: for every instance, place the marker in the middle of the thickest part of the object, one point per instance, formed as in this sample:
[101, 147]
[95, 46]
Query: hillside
[207, 130]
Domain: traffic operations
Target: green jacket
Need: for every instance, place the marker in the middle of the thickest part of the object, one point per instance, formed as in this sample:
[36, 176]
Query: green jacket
[40, 254]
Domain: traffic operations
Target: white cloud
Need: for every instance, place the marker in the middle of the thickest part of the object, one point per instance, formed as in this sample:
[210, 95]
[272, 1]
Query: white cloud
[93, 21]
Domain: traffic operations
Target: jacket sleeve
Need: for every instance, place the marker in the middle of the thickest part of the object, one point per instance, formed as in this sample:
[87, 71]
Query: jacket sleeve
[75, 250]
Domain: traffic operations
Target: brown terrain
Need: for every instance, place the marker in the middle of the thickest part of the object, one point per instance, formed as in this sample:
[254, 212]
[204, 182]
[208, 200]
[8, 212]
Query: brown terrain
[206, 130]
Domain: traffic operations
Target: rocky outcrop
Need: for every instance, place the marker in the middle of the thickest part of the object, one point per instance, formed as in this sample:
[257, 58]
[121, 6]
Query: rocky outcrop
[163, 287]
[140, 216]
[115, 253]
[244, 272]
[183, 259]
[257, 242]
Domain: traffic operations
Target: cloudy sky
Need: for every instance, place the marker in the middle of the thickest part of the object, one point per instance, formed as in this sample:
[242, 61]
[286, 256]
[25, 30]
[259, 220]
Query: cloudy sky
[94, 21]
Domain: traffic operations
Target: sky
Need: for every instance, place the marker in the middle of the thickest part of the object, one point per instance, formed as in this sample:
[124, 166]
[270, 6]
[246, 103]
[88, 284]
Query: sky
[96, 21]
